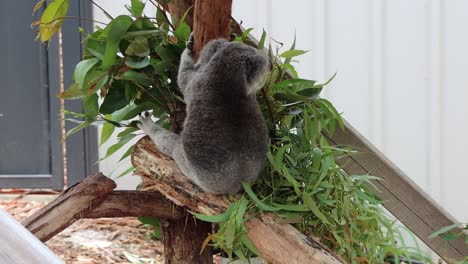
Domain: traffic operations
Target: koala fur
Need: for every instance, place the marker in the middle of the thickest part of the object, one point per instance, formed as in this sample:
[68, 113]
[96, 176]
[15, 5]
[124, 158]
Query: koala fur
[224, 140]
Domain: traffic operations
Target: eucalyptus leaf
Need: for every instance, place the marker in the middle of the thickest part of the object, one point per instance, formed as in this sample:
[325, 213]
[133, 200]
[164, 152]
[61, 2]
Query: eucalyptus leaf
[137, 62]
[115, 99]
[52, 18]
[137, 7]
[106, 132]
[115, 31]
[292, 53]
[82, 69]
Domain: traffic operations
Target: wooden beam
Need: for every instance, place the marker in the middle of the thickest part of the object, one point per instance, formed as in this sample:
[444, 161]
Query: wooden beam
[401, 196]
[277, 243]
[18, 245]
[93, 198]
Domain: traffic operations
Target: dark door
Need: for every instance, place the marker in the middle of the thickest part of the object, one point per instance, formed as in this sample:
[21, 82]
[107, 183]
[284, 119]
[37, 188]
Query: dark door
[30, 138]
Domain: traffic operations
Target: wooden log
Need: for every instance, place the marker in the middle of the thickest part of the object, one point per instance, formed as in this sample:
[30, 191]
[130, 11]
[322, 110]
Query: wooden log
[277, 243]
[401, 196]
[93, 198]
[68, 207]
[18, 245]
[135, 204]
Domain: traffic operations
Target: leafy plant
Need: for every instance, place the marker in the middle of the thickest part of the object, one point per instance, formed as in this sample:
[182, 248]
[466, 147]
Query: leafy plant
[130, 66]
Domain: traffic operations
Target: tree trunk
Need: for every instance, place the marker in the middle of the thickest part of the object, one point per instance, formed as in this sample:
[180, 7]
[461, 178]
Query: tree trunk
[212, 19]
[183, 240]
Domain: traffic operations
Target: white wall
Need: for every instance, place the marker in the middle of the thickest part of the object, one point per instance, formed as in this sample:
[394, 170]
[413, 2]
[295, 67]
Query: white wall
[400, 81]
[401, 77]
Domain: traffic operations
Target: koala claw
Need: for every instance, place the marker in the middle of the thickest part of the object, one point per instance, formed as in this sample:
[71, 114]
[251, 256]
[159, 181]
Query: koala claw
[190, 41]
[147, 125]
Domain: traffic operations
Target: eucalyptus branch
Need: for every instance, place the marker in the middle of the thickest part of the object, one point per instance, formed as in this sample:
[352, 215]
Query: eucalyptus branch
[102, 9]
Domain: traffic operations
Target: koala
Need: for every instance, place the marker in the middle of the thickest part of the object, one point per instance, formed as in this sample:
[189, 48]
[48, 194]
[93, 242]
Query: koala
[225, 139]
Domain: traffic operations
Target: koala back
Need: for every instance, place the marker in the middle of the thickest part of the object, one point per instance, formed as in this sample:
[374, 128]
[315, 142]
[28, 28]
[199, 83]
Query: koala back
[225, 136]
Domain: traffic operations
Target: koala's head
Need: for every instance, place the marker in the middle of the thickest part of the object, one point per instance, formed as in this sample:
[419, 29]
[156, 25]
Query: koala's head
[250, 63]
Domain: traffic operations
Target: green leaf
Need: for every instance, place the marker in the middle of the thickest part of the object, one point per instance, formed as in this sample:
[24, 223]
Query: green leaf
[161, 19]
[289, 97]
[257, 201]
[115, 99]
[127, 131]
[450, 236]
[155, 223]
[242, 208]
[127, 153]
[52, 18]
[248, 243]
[311, 93]
[444, 230]
[127, 171]
[137, 62]
[279, 155]
[82, 69]
[313, 207]
[112, 149]
[82, 125]
[295, 84]
[91, 106]
[229, 234]
[293, 47]
[95, 80]
[261, 43]
[216, 218]
[137, 7]
[73, 92]
[182, 32]
[138, 47]
[106, 132]
[292, 53]
[115, 31]
[38, 6]
[95, 44]
[137, 77]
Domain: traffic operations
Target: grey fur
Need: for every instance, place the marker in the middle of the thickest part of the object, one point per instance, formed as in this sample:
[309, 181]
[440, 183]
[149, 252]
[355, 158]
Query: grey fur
[224, 140]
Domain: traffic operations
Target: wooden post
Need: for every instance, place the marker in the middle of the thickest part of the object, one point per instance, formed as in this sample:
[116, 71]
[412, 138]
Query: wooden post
[183, 238]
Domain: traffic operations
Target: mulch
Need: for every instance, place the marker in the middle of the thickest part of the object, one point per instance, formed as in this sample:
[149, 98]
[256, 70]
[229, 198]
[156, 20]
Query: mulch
[97, 241]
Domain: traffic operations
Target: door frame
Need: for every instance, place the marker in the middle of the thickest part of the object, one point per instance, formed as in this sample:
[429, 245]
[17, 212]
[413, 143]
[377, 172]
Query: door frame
[82, 147]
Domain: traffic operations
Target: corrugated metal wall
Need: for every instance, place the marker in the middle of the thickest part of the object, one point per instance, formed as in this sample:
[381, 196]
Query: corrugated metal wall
[401, 77]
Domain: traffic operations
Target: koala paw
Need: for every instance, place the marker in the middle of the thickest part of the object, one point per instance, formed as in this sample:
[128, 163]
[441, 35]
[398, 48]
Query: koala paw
[190, 42]
[147, 125]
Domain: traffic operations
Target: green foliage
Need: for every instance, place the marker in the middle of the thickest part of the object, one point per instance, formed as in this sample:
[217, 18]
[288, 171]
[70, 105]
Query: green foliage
[130, 66]
[52, 18]
[155, 223]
